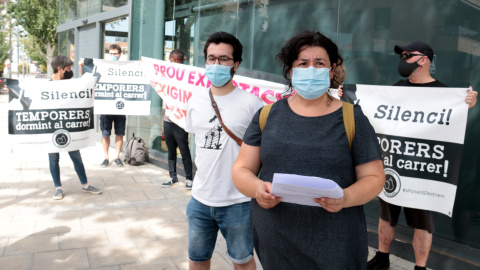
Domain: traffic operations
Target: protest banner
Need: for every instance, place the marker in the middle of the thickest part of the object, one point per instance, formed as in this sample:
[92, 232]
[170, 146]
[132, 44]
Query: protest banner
[50, 116]
[420, 131]
[176, 83]
[122, 89]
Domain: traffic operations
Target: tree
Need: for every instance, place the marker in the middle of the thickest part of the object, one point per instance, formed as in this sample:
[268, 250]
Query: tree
[4, 50]
[40, 19]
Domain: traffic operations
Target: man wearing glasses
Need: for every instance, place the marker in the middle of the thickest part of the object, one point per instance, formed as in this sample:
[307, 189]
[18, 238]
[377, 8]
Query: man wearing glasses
[108, 121]
[116, 121]
[415, 61]
[216, 203]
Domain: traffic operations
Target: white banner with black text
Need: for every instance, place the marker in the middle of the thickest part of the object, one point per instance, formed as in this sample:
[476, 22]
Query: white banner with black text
[51, 116]
[122, 89]
[421, 132]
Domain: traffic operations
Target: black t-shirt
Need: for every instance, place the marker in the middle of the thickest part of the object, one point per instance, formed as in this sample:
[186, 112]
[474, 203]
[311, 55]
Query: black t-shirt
[406, 82]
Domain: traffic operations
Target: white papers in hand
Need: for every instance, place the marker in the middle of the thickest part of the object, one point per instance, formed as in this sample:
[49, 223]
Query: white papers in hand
[302, 190]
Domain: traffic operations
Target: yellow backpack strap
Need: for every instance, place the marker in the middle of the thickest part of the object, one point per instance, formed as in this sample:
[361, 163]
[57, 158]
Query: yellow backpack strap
[262, 119]
[349, 122]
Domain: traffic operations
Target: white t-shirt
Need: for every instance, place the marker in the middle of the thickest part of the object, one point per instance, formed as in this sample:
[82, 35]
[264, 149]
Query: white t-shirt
[215, 150]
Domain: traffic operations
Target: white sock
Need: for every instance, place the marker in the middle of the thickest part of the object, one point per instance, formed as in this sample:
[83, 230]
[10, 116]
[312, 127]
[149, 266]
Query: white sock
[86, 186]
[58, 188]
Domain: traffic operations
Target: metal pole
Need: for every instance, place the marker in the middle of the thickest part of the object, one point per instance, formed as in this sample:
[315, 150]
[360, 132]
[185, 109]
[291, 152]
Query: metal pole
[18, 55]
[23, 59]
[11, 50]
[159, 30]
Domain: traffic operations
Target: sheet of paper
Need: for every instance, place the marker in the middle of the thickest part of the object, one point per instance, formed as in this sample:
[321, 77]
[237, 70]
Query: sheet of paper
[302, 190]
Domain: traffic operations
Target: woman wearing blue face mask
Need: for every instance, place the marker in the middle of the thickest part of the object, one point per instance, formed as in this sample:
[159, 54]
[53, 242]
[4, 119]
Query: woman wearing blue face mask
[305, 135]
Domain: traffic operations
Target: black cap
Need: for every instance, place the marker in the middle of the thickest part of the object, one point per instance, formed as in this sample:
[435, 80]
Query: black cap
[417, 46]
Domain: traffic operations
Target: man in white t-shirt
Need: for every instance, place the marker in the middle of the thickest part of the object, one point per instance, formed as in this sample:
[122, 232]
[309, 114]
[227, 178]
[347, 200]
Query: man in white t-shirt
[216, 203]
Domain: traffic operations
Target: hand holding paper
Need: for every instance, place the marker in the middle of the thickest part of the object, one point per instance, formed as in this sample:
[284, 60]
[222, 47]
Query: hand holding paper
[264, 196]
[302, 190]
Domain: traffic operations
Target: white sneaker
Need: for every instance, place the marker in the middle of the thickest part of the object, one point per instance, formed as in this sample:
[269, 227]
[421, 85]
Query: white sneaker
[188, 184]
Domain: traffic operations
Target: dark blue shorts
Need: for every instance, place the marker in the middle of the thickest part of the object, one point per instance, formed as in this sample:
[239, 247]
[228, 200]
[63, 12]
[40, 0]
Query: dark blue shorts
[117, 121]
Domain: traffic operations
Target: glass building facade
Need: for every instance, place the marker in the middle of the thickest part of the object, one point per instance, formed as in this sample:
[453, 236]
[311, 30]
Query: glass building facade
[365, 31]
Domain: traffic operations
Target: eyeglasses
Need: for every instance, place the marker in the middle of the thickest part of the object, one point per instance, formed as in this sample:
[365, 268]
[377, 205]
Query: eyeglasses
[114, 54]
[405, 56]
[222, 60]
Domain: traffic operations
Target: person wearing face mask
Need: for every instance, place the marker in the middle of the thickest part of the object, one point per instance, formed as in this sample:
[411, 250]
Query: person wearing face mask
[118, 122]
[305, 135]
[414, 64]
[216, 203]
[62, 70]
[176, 136]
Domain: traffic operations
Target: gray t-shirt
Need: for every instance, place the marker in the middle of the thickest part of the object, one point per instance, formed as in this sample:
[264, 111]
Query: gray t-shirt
[291, 236]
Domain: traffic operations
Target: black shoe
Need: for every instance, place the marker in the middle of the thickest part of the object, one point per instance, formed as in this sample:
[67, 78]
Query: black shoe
[381, 261]
[118, 162]
[104, 163]
[420, 267]
[170, 183]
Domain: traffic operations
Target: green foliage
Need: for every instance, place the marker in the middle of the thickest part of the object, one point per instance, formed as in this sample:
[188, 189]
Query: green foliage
[43, 68]
[21, 67]
[35, 51]
[38, 17]
[4, 46]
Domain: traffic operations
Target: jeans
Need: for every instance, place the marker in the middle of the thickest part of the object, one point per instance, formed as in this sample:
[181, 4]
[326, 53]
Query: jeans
[54, 159]
[175, 137]
[234, 223]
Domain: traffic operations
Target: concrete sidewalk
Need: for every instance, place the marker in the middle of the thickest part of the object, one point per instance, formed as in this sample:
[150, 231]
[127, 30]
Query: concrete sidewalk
[134, 224]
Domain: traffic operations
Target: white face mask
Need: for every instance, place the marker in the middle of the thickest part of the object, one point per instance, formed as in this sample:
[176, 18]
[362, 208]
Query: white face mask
[311, 83]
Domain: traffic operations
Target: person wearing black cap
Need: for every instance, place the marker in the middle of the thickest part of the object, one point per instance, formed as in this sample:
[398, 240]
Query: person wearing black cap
[415, 61]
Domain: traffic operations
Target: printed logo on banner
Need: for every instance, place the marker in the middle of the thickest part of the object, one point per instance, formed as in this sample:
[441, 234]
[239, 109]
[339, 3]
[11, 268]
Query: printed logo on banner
[120, 105]
[61, 138]
[392, 183]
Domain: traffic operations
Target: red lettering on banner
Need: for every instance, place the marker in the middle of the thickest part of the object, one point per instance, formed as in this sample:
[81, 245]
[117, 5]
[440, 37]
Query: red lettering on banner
[162, 86]
[183, 73]
[244, 86]
[191, 77]
[171, 72]
[186, 96]
[265, 94]
[174, 92]
[235, 83]
[179, 113]
[157, 68]
[255, 91]
[162, 70]
[200, 79]
[208, 84]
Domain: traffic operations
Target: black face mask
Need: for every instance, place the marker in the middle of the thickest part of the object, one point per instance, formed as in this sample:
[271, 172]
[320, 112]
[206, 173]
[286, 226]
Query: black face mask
[67, 75]
[406, 69]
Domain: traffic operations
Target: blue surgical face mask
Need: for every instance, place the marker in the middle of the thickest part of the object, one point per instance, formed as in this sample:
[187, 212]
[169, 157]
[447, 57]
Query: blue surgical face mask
[311, 83]
[218, 75]
[115, 58]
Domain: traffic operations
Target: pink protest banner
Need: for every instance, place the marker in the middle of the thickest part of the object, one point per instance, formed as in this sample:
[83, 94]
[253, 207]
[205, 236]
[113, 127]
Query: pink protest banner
[176, 83]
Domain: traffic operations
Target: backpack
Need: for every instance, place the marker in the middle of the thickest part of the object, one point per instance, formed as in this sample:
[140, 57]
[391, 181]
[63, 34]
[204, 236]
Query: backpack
[348, 120]
[135, 151]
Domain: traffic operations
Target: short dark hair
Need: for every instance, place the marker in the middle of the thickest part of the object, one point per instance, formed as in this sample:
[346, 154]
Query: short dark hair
[178, 54]
[115, 47]
[62, 62]
[224, 37]
[297, 43]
